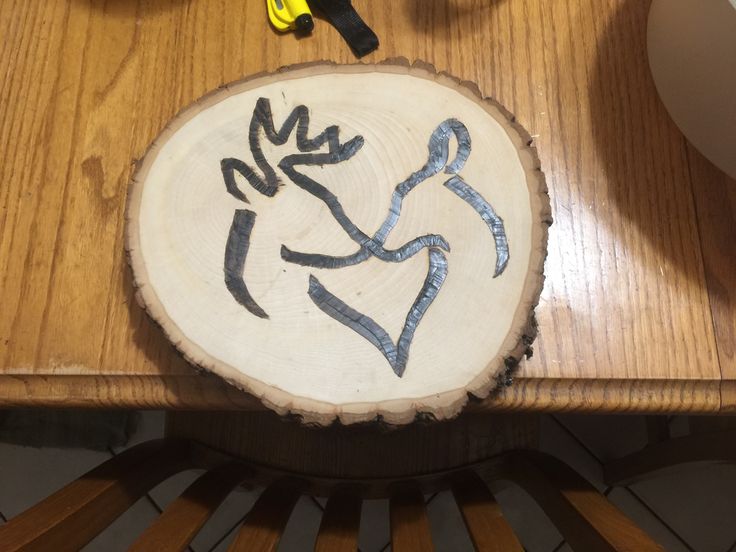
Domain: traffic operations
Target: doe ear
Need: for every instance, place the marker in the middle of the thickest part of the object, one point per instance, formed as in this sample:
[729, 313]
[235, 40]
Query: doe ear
[439, 148]
[462, 138]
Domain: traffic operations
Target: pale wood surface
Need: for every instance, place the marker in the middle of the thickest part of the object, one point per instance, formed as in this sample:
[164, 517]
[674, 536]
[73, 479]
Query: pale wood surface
[276, 340]
[628, 319]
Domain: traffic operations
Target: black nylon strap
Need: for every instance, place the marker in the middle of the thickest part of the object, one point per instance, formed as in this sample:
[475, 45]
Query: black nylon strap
[342, 15]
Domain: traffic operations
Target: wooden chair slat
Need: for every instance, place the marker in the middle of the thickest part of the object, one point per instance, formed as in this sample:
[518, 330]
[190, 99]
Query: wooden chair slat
[705, 447]
[409, 522]
[340, 525]
[584, 517]
[265, 523]
[74, 515]
[174, 529]
[488, 529]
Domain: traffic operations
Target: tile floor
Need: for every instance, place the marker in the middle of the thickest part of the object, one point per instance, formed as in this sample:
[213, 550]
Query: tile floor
[690, 511]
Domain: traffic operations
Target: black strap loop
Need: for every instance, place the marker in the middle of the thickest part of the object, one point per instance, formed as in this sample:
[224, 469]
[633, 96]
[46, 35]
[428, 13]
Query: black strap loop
[342, 15]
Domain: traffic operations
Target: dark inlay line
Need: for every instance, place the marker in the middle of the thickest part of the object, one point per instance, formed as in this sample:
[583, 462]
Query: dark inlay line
[438, 148]
[436, 275]
[439, 151]
[438, 154]
[406, 251]
[262, 118]
[365, 326]
[489, 216]
[236, 250]
[358, 322]
[268, 184]
[317, 260]
[374, 247]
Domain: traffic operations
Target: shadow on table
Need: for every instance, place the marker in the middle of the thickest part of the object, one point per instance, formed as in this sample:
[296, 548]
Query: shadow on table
[432, 17]
[149, 337]
[165, 359]
[641, 149]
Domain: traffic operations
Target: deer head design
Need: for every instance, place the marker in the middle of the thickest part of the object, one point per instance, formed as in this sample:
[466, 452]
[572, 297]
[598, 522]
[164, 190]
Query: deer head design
[368, 246]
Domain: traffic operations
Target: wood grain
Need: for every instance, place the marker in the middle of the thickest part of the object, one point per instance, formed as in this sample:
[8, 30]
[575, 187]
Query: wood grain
[71, 517]
[715, 199]
[582, 515]
[340, 526]
[89, 83]
[180, 522]
[482, 515]
[409, 521]
[265, 522]
[174, 245]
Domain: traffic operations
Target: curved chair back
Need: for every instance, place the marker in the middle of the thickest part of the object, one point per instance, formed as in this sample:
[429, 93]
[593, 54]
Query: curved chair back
[74, 515]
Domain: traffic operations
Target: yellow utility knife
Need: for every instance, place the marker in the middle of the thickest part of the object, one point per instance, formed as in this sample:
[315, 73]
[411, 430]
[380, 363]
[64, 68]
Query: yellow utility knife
[290, 15]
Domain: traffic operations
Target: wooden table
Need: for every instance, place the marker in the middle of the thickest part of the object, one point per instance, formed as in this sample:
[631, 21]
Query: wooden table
[639, 308]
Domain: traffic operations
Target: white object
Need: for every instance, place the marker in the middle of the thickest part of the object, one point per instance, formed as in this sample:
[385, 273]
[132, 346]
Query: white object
[692, 54]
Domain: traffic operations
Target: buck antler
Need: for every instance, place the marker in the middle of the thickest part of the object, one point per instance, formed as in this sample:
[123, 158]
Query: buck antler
[262, 118]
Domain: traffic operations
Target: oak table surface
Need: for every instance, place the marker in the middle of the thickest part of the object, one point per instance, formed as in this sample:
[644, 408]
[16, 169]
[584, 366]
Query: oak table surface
[637, 313]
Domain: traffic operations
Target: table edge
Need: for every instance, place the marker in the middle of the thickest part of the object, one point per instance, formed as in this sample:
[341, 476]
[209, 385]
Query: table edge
[205, 392]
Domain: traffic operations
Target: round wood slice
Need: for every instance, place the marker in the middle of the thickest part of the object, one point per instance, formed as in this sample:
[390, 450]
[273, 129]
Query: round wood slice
[344, 241]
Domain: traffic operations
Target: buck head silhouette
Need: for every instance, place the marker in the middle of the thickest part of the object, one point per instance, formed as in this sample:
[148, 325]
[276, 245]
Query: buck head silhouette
[368, 246]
